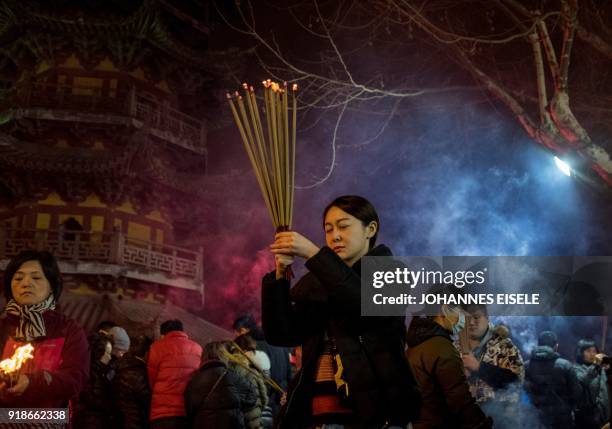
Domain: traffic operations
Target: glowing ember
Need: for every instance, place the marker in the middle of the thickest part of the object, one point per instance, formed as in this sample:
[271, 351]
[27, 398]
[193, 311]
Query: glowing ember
[15, 363]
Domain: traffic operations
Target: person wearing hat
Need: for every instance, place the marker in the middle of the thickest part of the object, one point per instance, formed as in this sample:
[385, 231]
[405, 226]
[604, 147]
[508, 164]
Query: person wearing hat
[551, 384]
[121, 341]
[60, 366]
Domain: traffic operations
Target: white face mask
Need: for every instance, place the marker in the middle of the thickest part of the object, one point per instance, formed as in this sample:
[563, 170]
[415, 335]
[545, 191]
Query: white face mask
[458, 327]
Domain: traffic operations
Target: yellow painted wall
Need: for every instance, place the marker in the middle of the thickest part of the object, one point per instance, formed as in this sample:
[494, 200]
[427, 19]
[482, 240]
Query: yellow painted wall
[127, 208]
[159, 238]
[118, 224]
[86, 85]
[53, 200]
[92, 200]
[139, 232]
[72, 62]
[97, 224]
[43, 220]
[156, 215]
[106, 65]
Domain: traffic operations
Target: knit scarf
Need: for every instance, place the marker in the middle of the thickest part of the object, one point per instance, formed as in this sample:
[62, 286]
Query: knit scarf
[31, 322]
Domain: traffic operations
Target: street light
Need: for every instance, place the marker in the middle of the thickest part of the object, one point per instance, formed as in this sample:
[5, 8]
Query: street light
[563, 166]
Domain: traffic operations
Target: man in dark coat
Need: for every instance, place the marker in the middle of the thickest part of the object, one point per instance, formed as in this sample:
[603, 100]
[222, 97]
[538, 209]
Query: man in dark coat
[592, 408]
[551, 384]
[280, 367]
[131, 389]
[438, 369]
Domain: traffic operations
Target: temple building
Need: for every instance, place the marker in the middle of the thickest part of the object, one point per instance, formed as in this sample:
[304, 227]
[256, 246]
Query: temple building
[103, 147]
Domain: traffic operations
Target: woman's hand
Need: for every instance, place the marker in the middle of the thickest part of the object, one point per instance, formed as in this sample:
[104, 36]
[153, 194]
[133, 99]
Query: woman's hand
[293, 244]
[282, 263]
[22, 384]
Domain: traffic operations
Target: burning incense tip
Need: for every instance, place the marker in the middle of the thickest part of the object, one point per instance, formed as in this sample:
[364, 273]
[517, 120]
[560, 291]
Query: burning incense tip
[228, 95]
[245, 86]
[294, 87]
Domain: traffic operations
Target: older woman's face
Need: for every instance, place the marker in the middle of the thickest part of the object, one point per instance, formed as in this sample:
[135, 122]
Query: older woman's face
[29, 284]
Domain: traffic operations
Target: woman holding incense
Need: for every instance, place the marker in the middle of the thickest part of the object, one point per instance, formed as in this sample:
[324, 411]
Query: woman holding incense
[60, 364]
[373, 386]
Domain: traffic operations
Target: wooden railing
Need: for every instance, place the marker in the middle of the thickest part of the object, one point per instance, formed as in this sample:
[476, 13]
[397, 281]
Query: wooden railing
[159, 118]
[109, 248]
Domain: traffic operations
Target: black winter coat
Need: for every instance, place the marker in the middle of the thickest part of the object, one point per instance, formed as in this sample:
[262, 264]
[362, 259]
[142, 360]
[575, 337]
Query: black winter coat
[132, 393]
[438, 369]
[592, 408]
[328, 299]
[552, 387]
[225, 406]
[94, 408]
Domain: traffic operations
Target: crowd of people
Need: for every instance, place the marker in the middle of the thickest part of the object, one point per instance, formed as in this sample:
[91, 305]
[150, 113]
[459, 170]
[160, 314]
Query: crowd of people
[315, 363]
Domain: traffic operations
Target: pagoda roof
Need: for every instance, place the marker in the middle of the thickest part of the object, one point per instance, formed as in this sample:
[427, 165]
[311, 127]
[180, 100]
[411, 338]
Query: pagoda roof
[43, 158]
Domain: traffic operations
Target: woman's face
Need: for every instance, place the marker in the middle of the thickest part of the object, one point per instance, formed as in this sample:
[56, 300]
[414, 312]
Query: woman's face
[29, 284]
[347, 236]
[106, 357]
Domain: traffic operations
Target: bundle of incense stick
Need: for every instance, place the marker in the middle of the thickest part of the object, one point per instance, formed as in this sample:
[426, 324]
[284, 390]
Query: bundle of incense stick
[271, 152]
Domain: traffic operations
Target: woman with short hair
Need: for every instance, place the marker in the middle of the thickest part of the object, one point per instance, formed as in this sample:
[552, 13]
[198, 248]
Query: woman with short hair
[60, 367]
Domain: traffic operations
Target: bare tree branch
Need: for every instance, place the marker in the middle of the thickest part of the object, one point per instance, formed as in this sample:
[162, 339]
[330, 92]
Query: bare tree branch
[595, 41]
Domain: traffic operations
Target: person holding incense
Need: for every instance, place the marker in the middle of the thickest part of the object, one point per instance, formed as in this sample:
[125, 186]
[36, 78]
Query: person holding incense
[59, 368]
[353, 373]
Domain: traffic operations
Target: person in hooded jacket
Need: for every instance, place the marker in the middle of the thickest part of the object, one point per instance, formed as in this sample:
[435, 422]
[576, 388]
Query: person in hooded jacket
[280, 367]
[131, 389]
[245, 369]
[551, 384]
[60, 367]
[216, 396]
[592, 410]
[439, 371]
[322, 313]
[95, 408]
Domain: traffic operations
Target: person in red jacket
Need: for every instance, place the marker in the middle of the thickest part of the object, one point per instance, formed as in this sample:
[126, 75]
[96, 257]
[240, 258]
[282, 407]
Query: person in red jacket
[60, 366]
[172, 361]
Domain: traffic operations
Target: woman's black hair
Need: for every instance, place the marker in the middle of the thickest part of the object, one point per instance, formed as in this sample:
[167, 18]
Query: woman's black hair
[358, 207]
[48, 264]
[97, 345]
